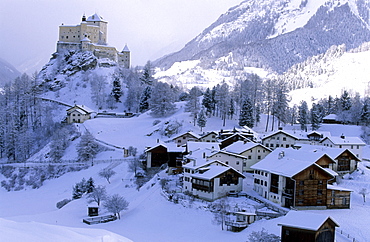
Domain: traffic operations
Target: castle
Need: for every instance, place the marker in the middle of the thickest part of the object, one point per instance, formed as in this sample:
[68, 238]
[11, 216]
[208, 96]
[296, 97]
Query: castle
[91, 35]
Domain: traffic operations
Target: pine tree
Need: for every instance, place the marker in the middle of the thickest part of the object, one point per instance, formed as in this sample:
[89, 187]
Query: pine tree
[193, 104]
[303, 115]
[90, 185]
[146, 77]
[365, 112]
[344, 106]
[202, 119]
[316, 117]
[231, 111]
[117, 89]
[207, 101]
[144, 99]
[246, 114]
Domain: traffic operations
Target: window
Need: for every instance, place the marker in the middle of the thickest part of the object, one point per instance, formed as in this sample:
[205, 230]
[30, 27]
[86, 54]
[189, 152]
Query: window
[319, 192]
[249, 157]
[320, 182]
[226, 162]
[300, 201]
[259, 157]
[237, 162]
[244, 164]
[265, 183]
[340, 146]
[319, 201]
[272, 145]
[300, 192]
[358, 147]
[278, 138]
[284, 138]
[259, 151]
[178, 141]
[351, 146]
[287, 146]
[301, 183]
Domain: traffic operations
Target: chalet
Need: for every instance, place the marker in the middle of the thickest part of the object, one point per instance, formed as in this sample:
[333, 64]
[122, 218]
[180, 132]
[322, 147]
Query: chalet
[354, 144]
[231, 159]
[223, 134]
[331, 119]
[209, 137]
[192, 146]
[278, 139]
[340, 160]
[180, 140]
[291, 179]
[164, 154]
[232, 139]
[213, 180]
[307, 227]
[79, 114]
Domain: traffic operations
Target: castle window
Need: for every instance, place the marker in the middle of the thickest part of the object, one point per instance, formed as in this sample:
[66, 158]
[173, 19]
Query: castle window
[67, 37]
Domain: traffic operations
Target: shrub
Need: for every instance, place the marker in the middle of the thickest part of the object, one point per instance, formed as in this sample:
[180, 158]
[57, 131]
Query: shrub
[62, 203]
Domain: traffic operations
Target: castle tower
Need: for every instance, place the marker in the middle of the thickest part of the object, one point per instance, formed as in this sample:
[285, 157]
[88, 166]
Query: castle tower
[97, 20]
[124, 57]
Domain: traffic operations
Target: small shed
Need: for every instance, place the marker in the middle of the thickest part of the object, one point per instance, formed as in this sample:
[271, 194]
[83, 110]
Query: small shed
[93, 210]
[242, 220]
[307, 227]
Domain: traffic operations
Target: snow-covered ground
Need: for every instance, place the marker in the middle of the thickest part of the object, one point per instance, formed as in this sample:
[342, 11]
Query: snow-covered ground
[32, 214]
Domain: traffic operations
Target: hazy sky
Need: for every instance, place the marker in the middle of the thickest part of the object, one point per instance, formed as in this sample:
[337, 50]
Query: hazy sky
[151, 28]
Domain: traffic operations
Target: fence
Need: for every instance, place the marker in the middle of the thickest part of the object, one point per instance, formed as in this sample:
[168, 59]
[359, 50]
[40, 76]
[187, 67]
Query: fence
[268, 204]
[344, 235]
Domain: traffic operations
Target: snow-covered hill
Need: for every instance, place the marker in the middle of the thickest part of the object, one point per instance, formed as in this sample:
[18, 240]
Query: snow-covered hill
[7, 72]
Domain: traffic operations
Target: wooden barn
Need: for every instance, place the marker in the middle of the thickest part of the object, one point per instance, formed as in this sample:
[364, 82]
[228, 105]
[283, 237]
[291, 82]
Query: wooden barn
[307, 227]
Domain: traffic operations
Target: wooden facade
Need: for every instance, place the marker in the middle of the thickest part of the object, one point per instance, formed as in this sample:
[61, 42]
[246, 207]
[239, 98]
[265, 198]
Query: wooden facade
[311, 187]
[326, 233]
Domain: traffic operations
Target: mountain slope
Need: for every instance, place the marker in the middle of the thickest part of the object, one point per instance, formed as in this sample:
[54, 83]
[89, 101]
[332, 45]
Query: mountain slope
[277, 34]
[7, 72]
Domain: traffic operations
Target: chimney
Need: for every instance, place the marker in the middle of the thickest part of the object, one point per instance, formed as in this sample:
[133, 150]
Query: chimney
[194, 162]
[342, 136]
[281, 155]
[280, 128]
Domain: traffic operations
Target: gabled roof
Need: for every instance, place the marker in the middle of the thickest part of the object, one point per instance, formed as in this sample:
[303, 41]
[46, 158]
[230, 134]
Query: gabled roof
[214, 171]
[228, 153]
[330, 117]
[237, 134]
[333, 153]
[304, 220]
[83, 108]
[240, 147]
[192, 146]
[201, 154]
[190, 133]
[280, 131]
[169, 146]
[85, 40]
[202, 163]
[344, 140]
[212, 132]
[287, 162]
[332, 187]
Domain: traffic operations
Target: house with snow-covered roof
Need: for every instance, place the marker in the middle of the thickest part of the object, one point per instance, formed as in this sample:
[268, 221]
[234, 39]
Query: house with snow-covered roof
[210, 137]
[241, 155]
[167, 153]
[280, 138]
[79, 114]
[303, 226]
[211, 180]
[232, 139]
[181, 139]
[291, 179]
[354, 144]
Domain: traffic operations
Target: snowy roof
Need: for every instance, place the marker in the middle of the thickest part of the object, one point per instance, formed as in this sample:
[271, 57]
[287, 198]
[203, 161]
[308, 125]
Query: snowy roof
[212, 132]
[228, 153]
[194, 146]
[304, 220]
[291, 133]
[85, 40]
[169, 146]
[287, 162]
[239, 147]
[189, 132]
[330, 171]
[214, 171]
[196, 164]
[201, 154]
[332, 187]
[126, 49]
[333, 153]
[344, 140]
[95, 17]
[237, 134]
[330, 117]
[81, 107]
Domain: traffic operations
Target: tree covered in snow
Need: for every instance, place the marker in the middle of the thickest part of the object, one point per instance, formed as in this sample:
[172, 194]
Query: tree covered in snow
[98, 194]
[107, 174]
[162, 100]
[83, 187]
[193, 103]
[117, 89]
[303, 117]
[344, 106]
[365, 112]
[98, 86]
[220, 208]
[207, 101]
[316, 116]
[263, 236]
[87, 148]
[246, 114]
[147, 77]
[144, 99]
[115, 204]
[202, 119]
[60, 141]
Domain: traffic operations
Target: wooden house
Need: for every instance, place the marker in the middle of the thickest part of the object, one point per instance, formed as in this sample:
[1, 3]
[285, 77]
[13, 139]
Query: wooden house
[223, 134]
[161, 154]
[307, 227]
[79, 114]
[232, 139]
[331, 119]
[93, 210]
[293, 179]
[181, 140]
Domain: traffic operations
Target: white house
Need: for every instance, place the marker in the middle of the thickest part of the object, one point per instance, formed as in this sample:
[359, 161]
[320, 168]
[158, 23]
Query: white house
[79, 114]
[354, 144]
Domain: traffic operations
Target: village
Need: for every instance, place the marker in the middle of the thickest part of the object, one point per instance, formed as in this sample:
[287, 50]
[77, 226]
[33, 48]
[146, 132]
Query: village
[285, 170]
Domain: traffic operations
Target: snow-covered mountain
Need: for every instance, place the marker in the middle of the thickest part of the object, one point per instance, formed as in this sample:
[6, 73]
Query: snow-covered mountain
[7, 72]
[274, 34]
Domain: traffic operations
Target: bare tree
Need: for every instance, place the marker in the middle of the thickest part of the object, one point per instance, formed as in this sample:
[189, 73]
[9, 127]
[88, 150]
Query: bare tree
[263, 236]
[220, 210]
[107, 174]
[363, 192]
[98, 194]
[115, 204]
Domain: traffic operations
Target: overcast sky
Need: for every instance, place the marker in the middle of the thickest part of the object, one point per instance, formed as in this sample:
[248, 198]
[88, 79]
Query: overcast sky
[151, 28]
